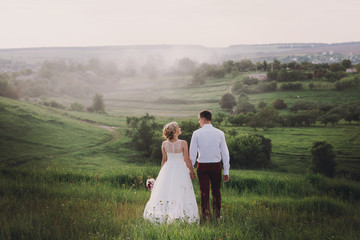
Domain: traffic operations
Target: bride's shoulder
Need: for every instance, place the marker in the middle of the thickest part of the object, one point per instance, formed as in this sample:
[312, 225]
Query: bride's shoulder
[183, 142]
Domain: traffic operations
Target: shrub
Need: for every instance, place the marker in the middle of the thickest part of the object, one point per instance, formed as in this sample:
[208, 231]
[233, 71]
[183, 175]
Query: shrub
[250, 81]
[311, 86]
[266, 118]
[76, 107]
[187, 128]
[279, 104]
[144, 133]
[261, 104]
[291, 86]
[245, 107]
[265, 87]
[239, 119]
[250, 151]
[98, 104]
[323, 158]
[303, 105]
[228, 101]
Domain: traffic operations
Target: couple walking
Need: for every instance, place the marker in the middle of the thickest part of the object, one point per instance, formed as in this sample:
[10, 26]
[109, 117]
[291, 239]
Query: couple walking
[172, 197]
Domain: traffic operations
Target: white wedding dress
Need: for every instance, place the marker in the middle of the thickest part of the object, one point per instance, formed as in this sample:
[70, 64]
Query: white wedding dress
[172, 197]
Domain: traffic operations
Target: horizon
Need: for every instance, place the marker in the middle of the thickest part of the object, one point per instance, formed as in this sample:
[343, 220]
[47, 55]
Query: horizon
[182, 45]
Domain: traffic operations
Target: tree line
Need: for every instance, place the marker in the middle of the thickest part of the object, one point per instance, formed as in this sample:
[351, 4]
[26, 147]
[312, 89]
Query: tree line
[302, 113]
[247, 151]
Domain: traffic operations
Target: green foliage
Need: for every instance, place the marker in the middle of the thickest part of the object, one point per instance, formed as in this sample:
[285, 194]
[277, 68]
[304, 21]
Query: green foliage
[145, 134]
[303, 105]
[279, 104]
[261, 104]
[198, 79]
[250, 151]
[6, 89]
[323, 158]
[351, 111]
[245, 107]
[228, 101]
[98, 104]
[238, 119]
[76, 107]
[52, 103]
[187, 128]
[329, 118]
[219, 117]
[266, 118]
[291, 86]
[347, 83]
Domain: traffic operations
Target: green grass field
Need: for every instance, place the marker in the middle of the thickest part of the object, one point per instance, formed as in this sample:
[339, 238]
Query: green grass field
[64, 176]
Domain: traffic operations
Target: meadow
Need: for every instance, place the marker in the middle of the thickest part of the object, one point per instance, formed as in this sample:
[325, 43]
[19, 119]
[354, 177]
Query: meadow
[64, 176]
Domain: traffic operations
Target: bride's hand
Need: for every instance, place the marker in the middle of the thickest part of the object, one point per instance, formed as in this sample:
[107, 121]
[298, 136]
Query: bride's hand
[192, 176]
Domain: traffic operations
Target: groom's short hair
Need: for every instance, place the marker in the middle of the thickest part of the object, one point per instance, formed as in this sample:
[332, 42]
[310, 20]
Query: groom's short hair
[205, 114]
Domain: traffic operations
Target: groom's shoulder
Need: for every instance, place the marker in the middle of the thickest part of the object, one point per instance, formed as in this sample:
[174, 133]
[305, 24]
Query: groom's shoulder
[218, 130]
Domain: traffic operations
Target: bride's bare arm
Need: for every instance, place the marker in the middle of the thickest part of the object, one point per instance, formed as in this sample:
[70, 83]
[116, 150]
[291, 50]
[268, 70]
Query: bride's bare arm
[164, 156]
[187, 159]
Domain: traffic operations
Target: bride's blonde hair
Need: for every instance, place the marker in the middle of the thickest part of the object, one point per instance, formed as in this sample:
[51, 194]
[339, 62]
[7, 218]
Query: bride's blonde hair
[170, 129]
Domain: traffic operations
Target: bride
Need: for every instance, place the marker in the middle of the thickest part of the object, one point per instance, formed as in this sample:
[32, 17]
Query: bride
[172, 197]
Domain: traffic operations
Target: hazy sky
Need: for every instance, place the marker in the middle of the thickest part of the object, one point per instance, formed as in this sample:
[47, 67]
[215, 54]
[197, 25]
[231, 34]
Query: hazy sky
[211, 23]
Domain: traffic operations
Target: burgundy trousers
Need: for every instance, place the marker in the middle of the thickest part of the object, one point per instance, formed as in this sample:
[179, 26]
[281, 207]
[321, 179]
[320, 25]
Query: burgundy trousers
[209, 174]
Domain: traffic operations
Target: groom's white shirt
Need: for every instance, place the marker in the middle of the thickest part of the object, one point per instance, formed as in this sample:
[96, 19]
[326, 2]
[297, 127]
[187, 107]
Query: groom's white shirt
[210, 143]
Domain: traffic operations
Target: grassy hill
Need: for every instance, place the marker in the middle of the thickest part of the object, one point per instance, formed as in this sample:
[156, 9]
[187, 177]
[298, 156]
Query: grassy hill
[32, 132]
[64, 176]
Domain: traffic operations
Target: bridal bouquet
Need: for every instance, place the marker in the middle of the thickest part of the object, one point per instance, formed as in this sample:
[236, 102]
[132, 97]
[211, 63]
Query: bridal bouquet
[150, 183]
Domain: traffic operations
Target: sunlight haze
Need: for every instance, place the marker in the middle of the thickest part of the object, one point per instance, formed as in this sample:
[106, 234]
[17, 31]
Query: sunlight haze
[211, 23]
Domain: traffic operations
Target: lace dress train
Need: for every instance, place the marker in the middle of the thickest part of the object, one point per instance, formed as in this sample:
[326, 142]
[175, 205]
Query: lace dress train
[172, 197]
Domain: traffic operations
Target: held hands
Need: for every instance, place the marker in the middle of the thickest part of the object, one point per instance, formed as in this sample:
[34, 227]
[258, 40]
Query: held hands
[192, 175]
[226, 178]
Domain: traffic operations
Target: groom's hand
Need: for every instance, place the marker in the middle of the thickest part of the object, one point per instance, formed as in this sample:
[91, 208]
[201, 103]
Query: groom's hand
[226, 178]
[192, 176]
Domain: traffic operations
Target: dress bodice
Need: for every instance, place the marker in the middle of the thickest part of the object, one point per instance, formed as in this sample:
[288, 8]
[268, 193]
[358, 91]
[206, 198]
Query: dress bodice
[173, 150]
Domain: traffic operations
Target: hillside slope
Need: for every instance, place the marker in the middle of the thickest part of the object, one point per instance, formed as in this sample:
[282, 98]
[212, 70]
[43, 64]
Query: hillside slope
[29, 131]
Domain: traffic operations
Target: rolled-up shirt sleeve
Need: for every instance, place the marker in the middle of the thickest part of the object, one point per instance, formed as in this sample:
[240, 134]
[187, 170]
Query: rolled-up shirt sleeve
[193, 149]
[225, 155]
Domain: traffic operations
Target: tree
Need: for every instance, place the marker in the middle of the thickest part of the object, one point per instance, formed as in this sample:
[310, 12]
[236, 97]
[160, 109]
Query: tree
[250, 151]
[245, 107]
[265, 66]
[261, 104]
[245, 65]
[228, 101]
[276, 65]
[311, 86]
[185, 66]
[346, 63]
[144, 133]
[279, 104]
[329, 118]
[239, 119]
[98, 104]
[323, 158]
[219, 117]
[198, 79]
[243, 97]
[76, 107]
[232, 132]
[351, 111]
[187, 129]
[266, 118]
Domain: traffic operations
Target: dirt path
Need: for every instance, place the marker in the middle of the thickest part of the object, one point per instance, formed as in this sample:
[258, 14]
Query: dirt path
[111, 129]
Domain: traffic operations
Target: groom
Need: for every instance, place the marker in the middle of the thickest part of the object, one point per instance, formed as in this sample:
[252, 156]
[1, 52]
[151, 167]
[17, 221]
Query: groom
[209, 143]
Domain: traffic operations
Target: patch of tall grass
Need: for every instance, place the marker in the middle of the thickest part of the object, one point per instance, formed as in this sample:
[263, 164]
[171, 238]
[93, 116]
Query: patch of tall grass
[55, 204]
